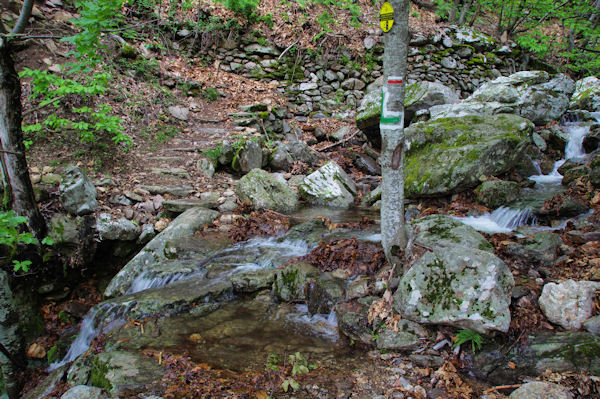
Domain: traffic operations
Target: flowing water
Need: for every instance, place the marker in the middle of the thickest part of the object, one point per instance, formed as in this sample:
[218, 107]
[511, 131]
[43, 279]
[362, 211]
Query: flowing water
[508, 219]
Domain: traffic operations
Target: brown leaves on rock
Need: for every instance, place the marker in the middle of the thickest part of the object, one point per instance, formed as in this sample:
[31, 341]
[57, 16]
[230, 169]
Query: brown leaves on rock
[361, 224]
[450, 380]
[266, 223]
[350, 254]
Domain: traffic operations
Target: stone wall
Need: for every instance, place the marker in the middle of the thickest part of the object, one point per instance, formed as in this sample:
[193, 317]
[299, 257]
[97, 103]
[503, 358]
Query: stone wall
[315, 83]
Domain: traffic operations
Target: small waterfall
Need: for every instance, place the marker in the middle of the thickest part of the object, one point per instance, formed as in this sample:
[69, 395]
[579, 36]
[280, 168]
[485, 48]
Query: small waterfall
[502, 220]
[143, 282]
[99, 319]
[321, 324]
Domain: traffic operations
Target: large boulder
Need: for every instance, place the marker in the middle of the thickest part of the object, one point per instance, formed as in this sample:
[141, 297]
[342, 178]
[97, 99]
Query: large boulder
[420, 95]
[77, 192]
[265, 191]
[329, 186]
[440, 230]
[587, 94]
[535, 95]
[157, 249]
[541, 390]
[457, 286]
[495, 193]
[449, 155]
[569, 303]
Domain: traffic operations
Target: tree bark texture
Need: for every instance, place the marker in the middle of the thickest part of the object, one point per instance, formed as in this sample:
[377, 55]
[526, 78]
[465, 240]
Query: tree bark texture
[11, 337]
[12, 155]
[392, 133]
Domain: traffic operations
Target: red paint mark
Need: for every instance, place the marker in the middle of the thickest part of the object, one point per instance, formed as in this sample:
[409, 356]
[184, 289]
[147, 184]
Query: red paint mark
[394, 82]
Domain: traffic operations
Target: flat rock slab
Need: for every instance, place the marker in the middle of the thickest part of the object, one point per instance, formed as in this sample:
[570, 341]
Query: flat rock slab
[176, 191]
[177, 172]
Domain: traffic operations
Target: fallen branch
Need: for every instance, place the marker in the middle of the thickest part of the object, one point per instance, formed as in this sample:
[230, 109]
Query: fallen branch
[502, 387]
[327, 147]
[287, 49]
[53, 101]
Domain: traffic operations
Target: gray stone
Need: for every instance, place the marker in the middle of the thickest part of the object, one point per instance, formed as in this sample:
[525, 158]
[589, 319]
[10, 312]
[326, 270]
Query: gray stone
[120, 229]
[179, 112]
[569, 303]
[300, 151]
[147, 234]
[182, 205]
[592, 325]
[253, 280]
[258, 49]
[326, 291]
[541, 248]
[449, 155]
[281, 159]
[183, 226]
[176, 191]
[586, 95]
[369, 42]
[264, 191]
[534, 95]
[306, 86]
[457, 286]
[250, 157]
[329, 186]
[541, 390]
[127, 371]
[77, 192]
[449, 62]
[177, 172]
[43, 389]
[83, 392]
[206, 166]
[339, 134]
[407, 338]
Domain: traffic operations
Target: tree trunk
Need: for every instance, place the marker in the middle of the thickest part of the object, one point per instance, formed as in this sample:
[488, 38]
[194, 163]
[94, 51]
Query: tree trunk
[11, 338]
[392, 133]
[12, 150]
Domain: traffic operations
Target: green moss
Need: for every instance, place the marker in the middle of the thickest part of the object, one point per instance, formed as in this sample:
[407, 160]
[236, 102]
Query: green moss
[439, 292]
[52, 354]
[98, 375]
[485, 246]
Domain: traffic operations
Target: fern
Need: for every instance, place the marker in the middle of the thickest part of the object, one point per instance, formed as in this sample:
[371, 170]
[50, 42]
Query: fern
[464, 336]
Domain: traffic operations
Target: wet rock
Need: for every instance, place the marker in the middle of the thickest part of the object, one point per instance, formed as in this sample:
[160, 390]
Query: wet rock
[495, 193]
[329, 186]
[253, 281]
[44, 388]
[293, 281]
[541, 390]
[326, 291]
[265, 191]
[353, 322]
[83, 392]
[120, 229]
[540, 249]
[372, 197]
[586, 95]
[569, 303]
[184, 225]
[449, 155]
[591, 142]
[119, 371]
[458, 286]
[77, 192]
[562, 351]
[534, 95]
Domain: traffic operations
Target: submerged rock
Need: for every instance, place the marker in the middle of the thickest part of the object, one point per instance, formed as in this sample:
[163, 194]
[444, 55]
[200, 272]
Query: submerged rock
[77, 192]
[155, 251]
[569, 303]
[329, 186]
[449, 155]
[265, 191]
[457, 286]
[535, 95]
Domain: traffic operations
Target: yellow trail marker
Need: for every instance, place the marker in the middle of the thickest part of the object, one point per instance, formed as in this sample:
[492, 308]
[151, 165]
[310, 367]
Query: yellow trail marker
[386, 17]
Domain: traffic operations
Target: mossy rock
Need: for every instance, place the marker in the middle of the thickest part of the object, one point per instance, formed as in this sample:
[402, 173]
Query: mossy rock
[440, 230]
[292, 282]
[265, 191]
[449, 155]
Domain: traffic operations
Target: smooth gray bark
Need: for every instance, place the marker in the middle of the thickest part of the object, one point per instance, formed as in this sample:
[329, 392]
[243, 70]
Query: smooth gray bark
[392, 133]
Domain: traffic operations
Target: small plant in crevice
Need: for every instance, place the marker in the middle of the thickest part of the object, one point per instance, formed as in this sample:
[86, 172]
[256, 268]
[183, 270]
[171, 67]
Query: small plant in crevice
[464, 336]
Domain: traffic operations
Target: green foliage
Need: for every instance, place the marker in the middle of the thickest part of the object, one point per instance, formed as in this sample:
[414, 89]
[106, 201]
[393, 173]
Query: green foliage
[290, 382]
[299, 364]
[52, 354]
[464, 336]
[244, 8]
[10, 237]
[210, 94]
[214, 153]
[273, 361]
[95, 18]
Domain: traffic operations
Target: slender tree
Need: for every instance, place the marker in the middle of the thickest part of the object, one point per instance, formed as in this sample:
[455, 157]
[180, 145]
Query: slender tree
[392, 133]
[17, 184]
